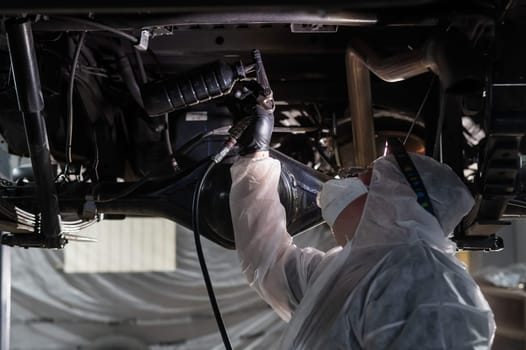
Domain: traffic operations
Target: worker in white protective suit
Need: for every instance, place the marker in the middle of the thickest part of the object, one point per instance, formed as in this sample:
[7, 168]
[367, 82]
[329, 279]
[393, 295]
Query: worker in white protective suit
[394, 282]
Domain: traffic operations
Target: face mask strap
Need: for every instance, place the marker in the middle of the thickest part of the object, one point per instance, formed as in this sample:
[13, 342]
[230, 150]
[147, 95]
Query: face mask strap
[395, 147]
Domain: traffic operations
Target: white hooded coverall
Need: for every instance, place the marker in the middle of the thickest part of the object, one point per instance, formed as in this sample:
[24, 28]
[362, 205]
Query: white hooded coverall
[395, 285]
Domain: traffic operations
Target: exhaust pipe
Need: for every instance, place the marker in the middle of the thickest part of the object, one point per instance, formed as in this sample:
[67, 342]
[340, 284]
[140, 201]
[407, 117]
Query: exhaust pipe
[450, 56]
[361, 109]
[298, 188]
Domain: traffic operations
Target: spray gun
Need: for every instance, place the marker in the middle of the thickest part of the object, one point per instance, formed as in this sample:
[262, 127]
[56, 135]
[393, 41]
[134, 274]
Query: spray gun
[265, 99]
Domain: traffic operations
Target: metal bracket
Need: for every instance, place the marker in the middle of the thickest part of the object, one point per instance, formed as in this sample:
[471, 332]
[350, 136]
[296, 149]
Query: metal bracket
[490, 243]
[144, 40]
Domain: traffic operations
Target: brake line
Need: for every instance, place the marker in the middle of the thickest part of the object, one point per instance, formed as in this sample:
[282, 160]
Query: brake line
[420, 109]
[71, 86]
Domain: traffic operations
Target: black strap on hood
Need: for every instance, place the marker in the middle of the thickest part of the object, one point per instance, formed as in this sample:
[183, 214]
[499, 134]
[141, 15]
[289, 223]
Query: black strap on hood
[486, 243]
[397, 149]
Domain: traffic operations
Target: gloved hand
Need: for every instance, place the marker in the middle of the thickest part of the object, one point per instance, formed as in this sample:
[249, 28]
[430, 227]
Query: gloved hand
[257, 136]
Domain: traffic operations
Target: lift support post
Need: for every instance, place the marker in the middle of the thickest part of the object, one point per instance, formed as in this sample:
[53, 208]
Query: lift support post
[31, 104]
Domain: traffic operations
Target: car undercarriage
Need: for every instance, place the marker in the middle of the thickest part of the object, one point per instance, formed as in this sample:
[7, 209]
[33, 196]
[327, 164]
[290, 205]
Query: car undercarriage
[118, 106]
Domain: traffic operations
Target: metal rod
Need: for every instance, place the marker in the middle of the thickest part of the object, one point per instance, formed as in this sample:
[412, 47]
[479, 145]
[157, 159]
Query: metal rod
[31, 105]
[230, 17]
[343, 18]
[71, 90]
[5, 297]
[99, 26]
[508, 84]
[437, 149]
[261, 73]
[420, 109]
[360, 106]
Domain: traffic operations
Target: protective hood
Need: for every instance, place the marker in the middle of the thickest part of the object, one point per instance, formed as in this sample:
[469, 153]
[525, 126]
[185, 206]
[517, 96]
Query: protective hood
[336, 195]
[393, 216]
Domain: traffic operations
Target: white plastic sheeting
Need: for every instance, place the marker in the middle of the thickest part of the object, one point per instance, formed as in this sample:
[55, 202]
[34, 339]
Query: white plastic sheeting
[54, 310]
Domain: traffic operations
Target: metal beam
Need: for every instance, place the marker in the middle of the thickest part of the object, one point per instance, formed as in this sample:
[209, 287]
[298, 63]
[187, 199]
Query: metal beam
[31, 105]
